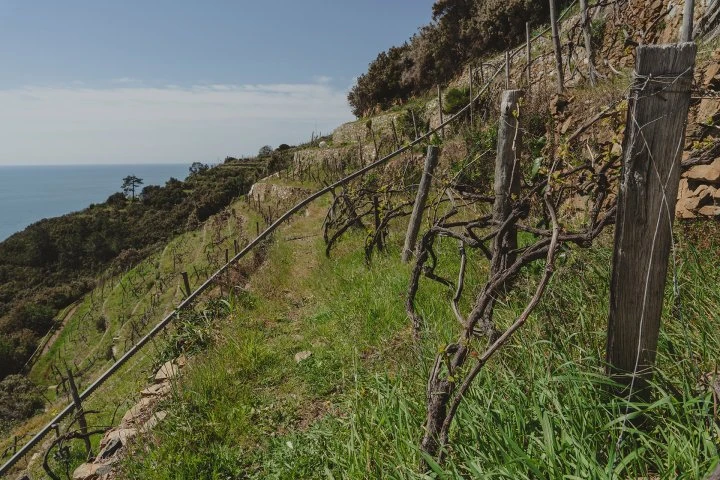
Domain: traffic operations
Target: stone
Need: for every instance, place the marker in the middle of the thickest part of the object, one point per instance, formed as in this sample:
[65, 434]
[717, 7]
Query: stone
[123, 435]
[90, 471]
[703, 192]
[301, 356]
[712, 73]
[181, 361]
[716, 193]
[154, 420]
[705, 173]
[710, 211]
[168, 371]
[110, 449]
[157, 390]
[23, 476]
[684, 190]
[133, 415]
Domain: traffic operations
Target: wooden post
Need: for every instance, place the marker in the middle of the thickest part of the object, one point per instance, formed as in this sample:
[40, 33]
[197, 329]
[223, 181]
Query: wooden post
[592, 74]
[227, 256]
[236, 245]
[186, 282]
[420, 199]
[257, 229]
[507, 174]
[686, 35]
[395, 135]
[556, 47]
[79, 413]
[507, 70]
[440, 106]
[412, 112]
[654, 138]
[471, 95]
[528, 54]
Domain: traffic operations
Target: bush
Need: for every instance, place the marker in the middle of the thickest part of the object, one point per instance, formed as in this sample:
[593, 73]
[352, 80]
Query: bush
[19, 399]
[456, 99]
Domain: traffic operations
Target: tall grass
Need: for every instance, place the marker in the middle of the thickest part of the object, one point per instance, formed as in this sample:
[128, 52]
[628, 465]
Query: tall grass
[542, 408]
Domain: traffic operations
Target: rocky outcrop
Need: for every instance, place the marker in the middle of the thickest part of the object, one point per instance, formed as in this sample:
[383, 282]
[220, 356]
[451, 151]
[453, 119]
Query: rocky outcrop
[139, 419]
[263, 191]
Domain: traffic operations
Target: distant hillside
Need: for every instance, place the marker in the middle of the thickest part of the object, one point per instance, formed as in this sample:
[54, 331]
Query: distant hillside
[54, 262]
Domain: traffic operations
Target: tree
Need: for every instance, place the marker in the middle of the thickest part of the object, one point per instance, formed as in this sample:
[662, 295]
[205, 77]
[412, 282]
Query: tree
[265, 151]
[198, 167]
[130, 183]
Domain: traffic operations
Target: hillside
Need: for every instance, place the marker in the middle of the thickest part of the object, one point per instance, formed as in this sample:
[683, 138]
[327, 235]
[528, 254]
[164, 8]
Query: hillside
[319, 355]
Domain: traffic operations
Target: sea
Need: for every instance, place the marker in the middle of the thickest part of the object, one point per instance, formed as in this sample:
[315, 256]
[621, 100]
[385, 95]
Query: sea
[31, 193]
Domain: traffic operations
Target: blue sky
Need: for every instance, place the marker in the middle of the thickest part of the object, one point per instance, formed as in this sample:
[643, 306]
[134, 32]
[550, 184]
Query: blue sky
[179, 81]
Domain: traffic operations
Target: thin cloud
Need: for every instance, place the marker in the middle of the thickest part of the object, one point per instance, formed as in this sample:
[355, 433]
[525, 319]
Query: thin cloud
[133, 123]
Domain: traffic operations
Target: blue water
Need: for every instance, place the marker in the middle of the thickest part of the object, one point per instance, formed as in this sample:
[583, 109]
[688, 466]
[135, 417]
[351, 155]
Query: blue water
[31, 193]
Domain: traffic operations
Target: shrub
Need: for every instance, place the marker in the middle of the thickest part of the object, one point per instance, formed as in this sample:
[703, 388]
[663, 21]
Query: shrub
[19, 399]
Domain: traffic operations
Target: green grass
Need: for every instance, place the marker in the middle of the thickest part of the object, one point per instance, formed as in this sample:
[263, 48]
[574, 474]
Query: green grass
[541, 408]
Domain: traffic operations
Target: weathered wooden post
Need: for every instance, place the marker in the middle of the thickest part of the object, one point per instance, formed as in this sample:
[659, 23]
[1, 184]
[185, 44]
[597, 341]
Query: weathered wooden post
[440, 107]
[79, 413]
[592, 74]
[236, 245]
[686, 35]
[528, 54]
[654, 138]
[507, 175]
[556, 47]
[471, 95]
[420, 199]
[186, 282]
[507, 70]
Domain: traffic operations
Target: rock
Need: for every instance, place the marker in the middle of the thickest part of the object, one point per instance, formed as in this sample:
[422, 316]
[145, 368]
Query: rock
[133, 415]
[705, 173]
[181, 361]
[711, 79]
[685, 207]
[157, 390]
[122, 435]
[304, 355]
[323, 144]
[23, 476]
[703, 192]
[154, 420]
[684, 190]
[110, 449]
[710, 211]
[90, 471]
[168, 371]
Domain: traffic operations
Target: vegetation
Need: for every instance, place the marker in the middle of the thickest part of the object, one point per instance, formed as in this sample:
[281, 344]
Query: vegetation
[352, 410]
[53, 262]
[461, 31]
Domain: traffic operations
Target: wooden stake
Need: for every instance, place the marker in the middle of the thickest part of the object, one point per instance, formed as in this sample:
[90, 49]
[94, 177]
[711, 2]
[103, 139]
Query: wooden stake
[592, 74]
[654, 139]
[237, 246]
[528, 54]
[420, 200]
[686, 34]
[79, 413]
[471, 95]
[507, 175]
[412, 112]
[557, 48]
[440, 105]
[186, 282]
[507, 70]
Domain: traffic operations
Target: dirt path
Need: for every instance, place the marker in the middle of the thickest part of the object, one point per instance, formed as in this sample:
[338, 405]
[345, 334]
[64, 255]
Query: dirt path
[59, 330]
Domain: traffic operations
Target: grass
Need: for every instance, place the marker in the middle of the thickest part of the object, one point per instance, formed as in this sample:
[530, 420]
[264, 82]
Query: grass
[354, 409]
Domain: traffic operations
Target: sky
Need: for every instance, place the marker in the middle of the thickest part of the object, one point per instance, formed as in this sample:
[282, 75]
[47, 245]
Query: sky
[159, 81]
